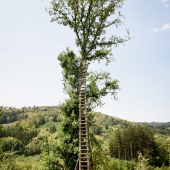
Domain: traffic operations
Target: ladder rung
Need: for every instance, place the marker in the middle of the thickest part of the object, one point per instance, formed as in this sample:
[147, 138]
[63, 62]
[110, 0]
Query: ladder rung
[83, 135]
[84, 153]
[84, 165]
[83, 141]
[84, 157]
[83, 161]
[84, 138]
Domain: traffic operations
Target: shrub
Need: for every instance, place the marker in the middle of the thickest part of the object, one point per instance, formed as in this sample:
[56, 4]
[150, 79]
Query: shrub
[11, 144]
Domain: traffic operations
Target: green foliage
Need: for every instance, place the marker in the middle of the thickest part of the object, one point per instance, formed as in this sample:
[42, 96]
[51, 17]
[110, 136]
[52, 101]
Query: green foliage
[18, 133]
[122, 165]
[53, 129]
[28, 117]
[11, 144]
[33, 148]
[89, 19]
[9, 164]
[157, 127]
[143, 163]
[162, 150]
[68, 119]
[127, 142]
[22, 163]
[51, 157]
[99, 158]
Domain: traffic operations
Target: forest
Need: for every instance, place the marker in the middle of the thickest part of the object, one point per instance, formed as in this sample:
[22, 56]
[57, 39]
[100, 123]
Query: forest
[33, 141]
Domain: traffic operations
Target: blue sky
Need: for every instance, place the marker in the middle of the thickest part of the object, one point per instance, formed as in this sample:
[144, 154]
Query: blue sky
[30, 73]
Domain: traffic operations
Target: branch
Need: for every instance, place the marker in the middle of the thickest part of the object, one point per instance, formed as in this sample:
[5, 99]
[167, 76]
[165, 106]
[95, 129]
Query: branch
[75, 28]
[102, 93]
[96, 34]
[88, 16]
[68, 20]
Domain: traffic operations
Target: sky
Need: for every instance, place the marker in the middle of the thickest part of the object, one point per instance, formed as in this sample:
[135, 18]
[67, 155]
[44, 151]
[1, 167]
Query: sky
[31, 75]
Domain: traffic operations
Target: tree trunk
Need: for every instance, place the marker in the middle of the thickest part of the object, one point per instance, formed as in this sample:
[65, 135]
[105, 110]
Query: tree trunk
[124, 151]
[131, 151]
[119, 151]
[134, 151]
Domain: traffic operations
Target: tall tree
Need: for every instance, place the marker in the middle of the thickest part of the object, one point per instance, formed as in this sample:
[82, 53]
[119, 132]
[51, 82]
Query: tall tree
[119, 142]
[89, 20]
[125, 139]
[131, 136]
[139, 136]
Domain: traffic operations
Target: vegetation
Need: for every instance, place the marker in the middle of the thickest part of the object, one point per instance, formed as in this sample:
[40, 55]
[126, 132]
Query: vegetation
[109, 135]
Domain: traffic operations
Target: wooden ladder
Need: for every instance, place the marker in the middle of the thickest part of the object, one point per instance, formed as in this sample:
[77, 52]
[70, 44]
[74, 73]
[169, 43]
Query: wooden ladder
[84, 156]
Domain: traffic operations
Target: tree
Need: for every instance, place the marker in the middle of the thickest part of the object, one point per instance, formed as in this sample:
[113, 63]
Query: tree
[53, 129]
[130, 129]
[88, 19]
[125, 138]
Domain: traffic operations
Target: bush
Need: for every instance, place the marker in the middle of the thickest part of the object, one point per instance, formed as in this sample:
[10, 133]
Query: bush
[11, 144]
[123, 165]
[33, 150]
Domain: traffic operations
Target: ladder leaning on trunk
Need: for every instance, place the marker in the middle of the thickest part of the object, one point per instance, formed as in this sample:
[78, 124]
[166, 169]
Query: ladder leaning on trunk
[84, 137]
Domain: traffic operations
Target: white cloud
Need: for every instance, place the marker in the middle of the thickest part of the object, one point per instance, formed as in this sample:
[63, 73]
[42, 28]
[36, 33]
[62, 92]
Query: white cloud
[166, 26]
[165, 3]
[155, 29]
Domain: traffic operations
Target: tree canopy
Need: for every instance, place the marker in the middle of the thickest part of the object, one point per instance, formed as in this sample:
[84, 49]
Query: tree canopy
[89, 20]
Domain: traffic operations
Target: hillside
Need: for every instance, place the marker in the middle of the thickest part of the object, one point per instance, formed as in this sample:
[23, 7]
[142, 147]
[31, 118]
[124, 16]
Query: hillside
[29, 130]
[28, 117]
[158, 127]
